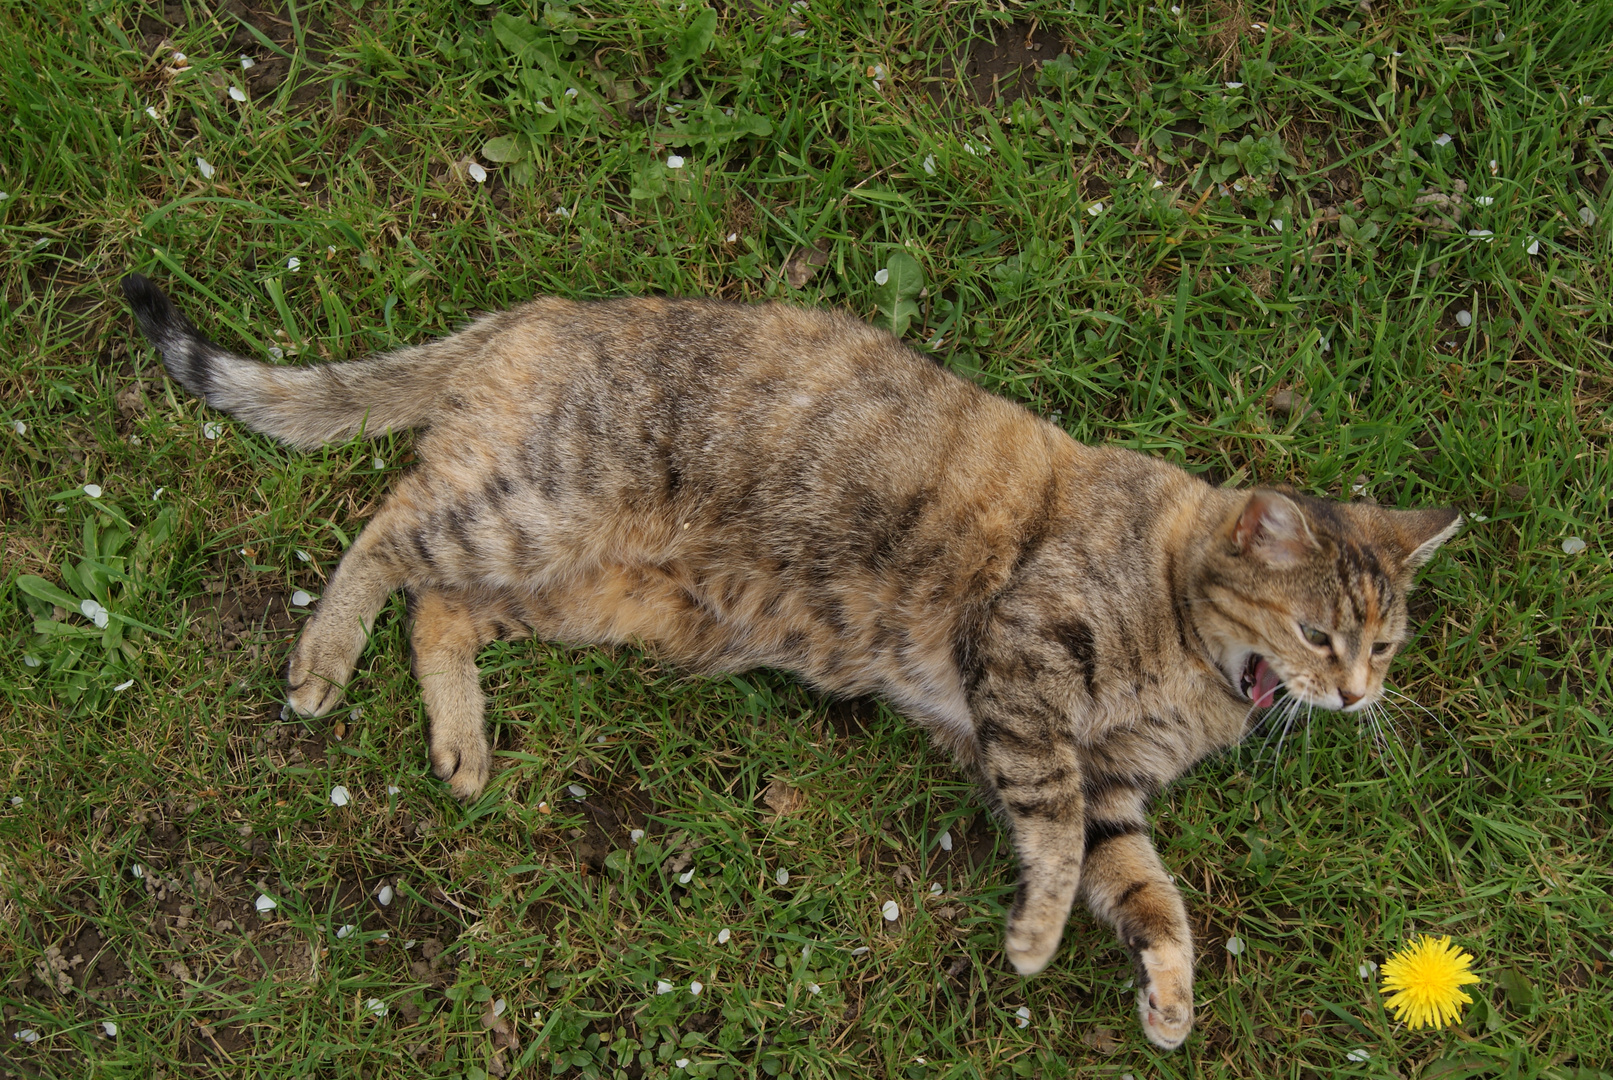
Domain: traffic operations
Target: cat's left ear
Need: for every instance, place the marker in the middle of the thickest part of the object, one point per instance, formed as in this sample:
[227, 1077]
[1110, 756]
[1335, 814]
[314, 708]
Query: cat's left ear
[1421, 532]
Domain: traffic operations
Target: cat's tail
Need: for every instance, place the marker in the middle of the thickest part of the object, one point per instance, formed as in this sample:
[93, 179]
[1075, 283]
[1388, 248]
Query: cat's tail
[303, 406]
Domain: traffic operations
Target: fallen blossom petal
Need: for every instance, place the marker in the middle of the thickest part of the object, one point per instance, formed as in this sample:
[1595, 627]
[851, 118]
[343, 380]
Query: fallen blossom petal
[1235, 946]
[674, 162]
[247, 62]
[377, 464]
[577, 791]
[1495, 167]
[1444, 139]
[891, 910]
[211, 429]
[1587, 100]
[814, 988]
[376, 1006]
[946, 841]
[1095, 209]
[1484, 200]
[1573, 546]
[340, 796]
[733, 236]
[1024, 1014]
[237, 94]
[695, 987]
[935, 888]
[723, 935]
[93, 490]
[122, 686]
[1358, 1055]
[266, 903]
[636, 835]
[157, 494]
[345, 931]
[110, 1027]
[663, 987]
[1234, 86]
[294, 263]
[1587, 215]
[682, 1063]
[30, 660]
[861, 950]
[27, 1035]
[1481, 234]
[151, 111]
[782, 876]
[929, 164]
[881, 276]
[205, 168]
[137, 871]
[499, 1006]
[393, 789]
[1534, 246]
[277, 352]
[301, 599]
[1366, 969]
[477, 173]
[1464, 318]
[385, 895]
[19, 427]
[686, 877]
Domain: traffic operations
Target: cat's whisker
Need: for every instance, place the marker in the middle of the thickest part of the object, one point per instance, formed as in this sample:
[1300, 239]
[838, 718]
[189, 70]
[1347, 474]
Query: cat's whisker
[1449, 734]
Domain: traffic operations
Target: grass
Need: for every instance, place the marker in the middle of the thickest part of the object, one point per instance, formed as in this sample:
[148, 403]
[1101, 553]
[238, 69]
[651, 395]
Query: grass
[1329, 351]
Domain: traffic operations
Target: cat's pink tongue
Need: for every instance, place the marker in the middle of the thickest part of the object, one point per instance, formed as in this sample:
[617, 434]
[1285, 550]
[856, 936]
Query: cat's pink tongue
[1264, 691]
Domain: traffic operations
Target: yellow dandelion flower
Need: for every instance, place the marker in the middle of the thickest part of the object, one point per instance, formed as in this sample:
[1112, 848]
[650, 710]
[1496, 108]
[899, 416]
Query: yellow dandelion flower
[1424, 982]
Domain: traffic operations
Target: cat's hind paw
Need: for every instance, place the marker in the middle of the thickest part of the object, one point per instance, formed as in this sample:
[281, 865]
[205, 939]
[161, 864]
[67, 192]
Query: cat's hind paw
[1165, 1000]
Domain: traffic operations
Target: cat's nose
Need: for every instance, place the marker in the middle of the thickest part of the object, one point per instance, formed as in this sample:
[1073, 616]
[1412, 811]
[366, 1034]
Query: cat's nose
[1348, 698]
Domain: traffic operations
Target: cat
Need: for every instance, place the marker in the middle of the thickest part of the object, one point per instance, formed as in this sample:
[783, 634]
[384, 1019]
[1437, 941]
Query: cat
[734, 486]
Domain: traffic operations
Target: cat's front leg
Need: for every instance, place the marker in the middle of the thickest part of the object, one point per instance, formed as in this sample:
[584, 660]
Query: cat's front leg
[1034, 772]
[1128, 887]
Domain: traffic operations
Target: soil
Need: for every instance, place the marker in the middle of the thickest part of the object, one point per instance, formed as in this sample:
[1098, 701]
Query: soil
[1003, 68]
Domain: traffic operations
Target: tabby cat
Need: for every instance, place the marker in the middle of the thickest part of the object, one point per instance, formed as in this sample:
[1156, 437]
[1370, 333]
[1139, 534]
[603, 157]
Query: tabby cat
[737, 486]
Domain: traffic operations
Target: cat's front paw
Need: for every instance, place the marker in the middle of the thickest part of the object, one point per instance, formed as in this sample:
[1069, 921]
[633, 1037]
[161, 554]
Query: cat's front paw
[320, 666]
[1165, 998]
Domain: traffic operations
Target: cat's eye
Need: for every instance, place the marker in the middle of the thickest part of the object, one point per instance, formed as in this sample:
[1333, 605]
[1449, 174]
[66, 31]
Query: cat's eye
[1381, 648]
[1316, 637]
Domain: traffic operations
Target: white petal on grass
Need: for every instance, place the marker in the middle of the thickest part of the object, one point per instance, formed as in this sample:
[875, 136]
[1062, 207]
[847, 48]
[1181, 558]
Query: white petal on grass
[663, 987]
[377, 464]
[205, 168]
[861, 950]
[1573, 546]
[1235, 946]
[110, 1028]
[1495, 167]
[891, 910]
[1534, 246]
[151, 111]
[1587, 100]
[393, 789]
[385, 895]
[695, 987]
[1366, 969]
[499, 1006]
[733, 236]
[155, 495]
[1234, 86]
[345, 931]
[577, 791]
[30, 660]
[330, 249]
[95, 613]
[1024, 1014]
[1444, 139]
[814, 989]
[27, 1035]
[936, 889]
[211, 429]
[1277, 224]
[674, 162]
[1500, 36]
[294, 263]
[237, 94]
[1259, 28]
[1358, 1055]
[686, 877]
[782, 876]
[122, 686]
[682, 1063]
[946, 841]
[1095, 209]
[340, 796]
[276, 352]
[1479, 518]
[1484, 200]
[477, 173]
[1486, 235]
[377, 1007]
[929, 164]
[1175, 9]
[19, 427]
[571, 92]
[93, 490]
[16, 800]
[881, 276]
[1464, 318]
[1587, 215]
[355, 715]
[266, 904]
[137, 871]
[723, 935]
[303, 556]
[636, 835]
[246, 62]
[301, 599]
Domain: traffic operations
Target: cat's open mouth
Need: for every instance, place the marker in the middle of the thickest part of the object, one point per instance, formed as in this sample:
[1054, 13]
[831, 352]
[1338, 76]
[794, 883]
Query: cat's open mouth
[1259, 683]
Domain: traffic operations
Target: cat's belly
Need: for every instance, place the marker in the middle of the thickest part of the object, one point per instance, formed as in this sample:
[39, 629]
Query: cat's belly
[714, 622]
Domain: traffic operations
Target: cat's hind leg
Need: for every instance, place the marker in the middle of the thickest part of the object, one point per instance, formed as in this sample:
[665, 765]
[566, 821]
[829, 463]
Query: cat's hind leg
[450, 627]
[334, 637]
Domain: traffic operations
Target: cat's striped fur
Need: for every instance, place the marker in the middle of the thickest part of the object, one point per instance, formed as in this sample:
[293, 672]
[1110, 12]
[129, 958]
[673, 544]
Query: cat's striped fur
[734, 486]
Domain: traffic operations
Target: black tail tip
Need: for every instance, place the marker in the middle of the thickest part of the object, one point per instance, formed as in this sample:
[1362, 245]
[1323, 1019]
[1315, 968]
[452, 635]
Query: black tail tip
[184, 349]
[146, 299]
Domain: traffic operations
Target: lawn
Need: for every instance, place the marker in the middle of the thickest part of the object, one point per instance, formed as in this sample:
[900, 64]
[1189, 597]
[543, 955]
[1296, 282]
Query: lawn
[1358, 248]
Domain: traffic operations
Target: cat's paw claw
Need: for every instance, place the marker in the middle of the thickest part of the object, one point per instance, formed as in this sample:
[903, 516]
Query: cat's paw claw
[312, 695]
[462, 766]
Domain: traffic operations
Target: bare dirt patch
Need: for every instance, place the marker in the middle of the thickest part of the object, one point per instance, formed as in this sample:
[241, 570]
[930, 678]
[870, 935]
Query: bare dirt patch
[1002, 68]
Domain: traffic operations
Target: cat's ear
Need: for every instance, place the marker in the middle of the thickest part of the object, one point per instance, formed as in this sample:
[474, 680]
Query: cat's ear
[1421, 532]
[1273, 528]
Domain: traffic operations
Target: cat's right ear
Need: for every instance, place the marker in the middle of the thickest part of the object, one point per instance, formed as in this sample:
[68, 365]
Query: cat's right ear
[1273, 529]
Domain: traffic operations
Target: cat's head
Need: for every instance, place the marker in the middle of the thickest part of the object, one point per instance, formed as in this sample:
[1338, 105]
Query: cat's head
[1309, 596]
